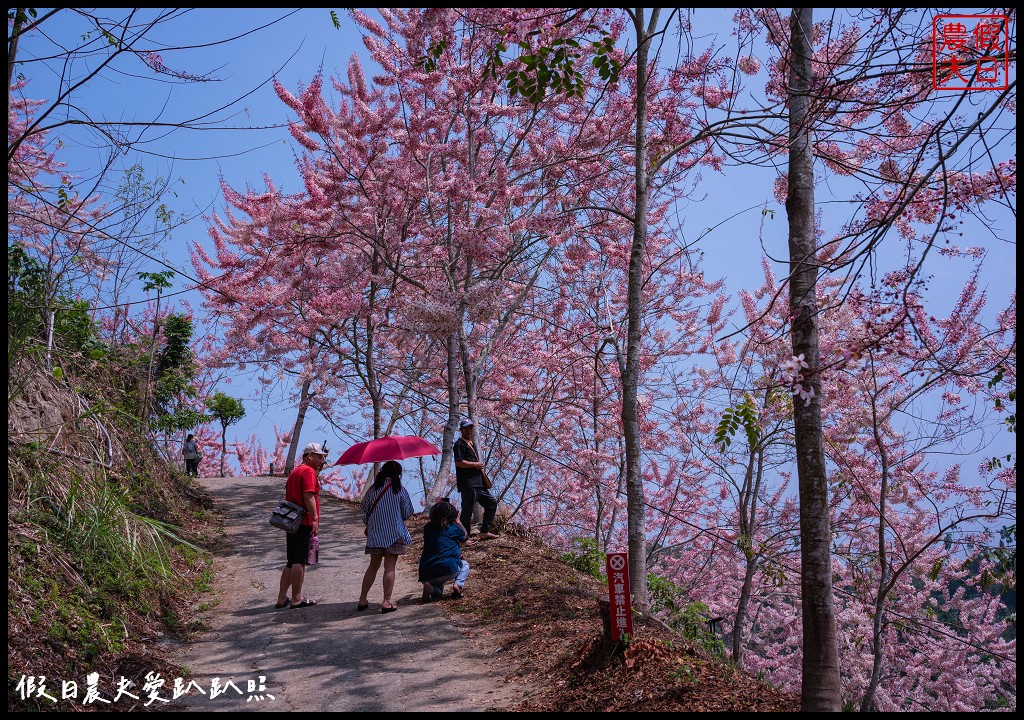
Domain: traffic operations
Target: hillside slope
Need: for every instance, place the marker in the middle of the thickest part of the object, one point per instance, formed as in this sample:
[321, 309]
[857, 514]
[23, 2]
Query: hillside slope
[543, 617]
[102, 579]
[99, 571]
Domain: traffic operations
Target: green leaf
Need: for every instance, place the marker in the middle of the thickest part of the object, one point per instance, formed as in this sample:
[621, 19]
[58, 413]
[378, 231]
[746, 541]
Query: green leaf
[744, 414]
[156, 281]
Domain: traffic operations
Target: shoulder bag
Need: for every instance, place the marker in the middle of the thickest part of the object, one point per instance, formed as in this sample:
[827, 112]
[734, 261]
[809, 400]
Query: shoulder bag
[366, 528]
[287, 516]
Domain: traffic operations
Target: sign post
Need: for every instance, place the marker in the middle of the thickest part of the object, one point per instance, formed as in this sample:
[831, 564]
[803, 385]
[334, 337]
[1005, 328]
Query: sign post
[617, 567]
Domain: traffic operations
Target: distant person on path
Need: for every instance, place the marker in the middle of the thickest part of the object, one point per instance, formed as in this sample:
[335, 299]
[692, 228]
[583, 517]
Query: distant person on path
[386, 507]
[190, 451]
[469, 480]
[441, 559]
[302, 488]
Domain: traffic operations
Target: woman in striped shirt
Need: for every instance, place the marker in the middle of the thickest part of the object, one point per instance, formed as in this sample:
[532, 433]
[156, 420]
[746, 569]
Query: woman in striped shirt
[386, 507]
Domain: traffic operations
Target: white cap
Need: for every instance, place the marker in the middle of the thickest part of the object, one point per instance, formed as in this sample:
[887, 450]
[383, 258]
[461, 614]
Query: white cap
[313, 449]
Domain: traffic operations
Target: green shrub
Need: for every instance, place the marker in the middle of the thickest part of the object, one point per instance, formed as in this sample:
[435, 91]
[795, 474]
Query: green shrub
[28, 297]
[689, 619]
[585, 557]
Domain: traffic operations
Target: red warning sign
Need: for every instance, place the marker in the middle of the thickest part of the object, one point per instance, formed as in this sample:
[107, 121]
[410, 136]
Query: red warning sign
[617, 566]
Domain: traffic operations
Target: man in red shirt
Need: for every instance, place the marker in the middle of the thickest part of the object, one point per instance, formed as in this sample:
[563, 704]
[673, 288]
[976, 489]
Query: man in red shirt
[302, 488]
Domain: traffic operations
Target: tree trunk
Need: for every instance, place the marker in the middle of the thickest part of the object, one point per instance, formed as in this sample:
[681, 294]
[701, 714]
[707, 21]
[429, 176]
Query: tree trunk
[223, 447]
[470, 381]
[373, 388]
[820, 682]
[748, 527]
[304, 399]
[741, 611]
[49, 317]
[635, 502]
[448, 439]
[12, 50]
[868, 702]
[152, 356]
[372, 384]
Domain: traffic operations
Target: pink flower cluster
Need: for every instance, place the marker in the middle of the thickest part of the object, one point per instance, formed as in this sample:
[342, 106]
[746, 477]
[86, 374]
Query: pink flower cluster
[790, 372]
[749, 65]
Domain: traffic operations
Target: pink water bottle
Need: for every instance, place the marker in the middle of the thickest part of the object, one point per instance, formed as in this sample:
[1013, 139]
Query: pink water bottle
[314, 550]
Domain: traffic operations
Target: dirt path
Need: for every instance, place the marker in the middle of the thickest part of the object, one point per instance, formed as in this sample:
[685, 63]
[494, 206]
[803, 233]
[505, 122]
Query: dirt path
[328, 657]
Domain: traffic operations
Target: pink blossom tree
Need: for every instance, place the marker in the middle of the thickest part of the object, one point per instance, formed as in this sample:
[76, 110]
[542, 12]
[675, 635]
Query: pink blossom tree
[468, 247]
[45, 214]
[459, 214]
[827, 74]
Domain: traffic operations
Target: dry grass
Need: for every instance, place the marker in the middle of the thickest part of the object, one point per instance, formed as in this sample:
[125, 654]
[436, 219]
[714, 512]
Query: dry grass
[96, 578]
[542, 618]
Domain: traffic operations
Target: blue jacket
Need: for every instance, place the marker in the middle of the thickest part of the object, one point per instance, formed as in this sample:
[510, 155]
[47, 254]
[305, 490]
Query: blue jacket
[441, 551]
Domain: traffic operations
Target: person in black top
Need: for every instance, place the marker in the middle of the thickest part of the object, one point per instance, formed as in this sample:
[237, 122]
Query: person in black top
[469, 481]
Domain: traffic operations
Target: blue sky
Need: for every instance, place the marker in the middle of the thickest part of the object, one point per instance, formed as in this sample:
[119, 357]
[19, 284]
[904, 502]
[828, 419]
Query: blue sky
[294, 47]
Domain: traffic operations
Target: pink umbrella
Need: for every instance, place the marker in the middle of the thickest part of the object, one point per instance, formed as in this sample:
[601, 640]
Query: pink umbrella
[392, 447]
